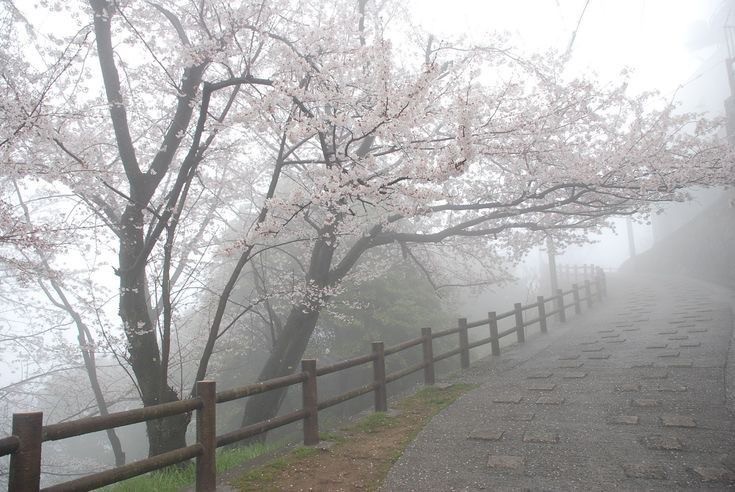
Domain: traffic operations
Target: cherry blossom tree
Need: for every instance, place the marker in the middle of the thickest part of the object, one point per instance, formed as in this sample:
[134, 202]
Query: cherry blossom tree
[321, 137]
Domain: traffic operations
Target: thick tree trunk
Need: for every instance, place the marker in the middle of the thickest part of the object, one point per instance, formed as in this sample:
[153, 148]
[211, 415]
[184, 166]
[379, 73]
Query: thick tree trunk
[284, 360]
[163, 434]
[169, 433]
[291, 343]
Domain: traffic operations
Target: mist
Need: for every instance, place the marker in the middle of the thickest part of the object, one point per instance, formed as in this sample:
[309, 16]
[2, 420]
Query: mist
[221, 194]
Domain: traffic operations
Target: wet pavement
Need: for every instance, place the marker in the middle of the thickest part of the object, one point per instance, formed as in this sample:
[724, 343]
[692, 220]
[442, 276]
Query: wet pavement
[630, 395]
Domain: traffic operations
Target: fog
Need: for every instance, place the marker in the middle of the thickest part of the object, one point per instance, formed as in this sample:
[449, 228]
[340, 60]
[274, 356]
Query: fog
[674, 48]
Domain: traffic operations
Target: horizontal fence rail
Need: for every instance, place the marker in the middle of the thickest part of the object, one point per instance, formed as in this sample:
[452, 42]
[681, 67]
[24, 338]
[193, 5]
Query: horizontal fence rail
[28, 432]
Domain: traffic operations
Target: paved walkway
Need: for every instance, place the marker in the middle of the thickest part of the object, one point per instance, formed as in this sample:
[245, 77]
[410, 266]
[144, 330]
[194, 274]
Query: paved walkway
[628, 396]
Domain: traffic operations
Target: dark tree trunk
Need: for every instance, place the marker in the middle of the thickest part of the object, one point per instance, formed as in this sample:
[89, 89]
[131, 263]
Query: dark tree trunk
[291, 343]
[163, 434]
[138, 321]
[284, 360]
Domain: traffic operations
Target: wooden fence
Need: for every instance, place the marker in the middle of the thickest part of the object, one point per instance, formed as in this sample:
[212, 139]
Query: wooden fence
[577, 273]
[28, 432]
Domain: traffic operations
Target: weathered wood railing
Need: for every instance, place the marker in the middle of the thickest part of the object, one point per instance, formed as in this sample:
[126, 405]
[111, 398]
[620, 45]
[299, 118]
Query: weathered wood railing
[580, 273]
[28, 432]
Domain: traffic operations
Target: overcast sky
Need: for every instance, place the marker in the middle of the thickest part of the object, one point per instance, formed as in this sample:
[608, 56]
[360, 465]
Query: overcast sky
[670, 45]
[649, 36]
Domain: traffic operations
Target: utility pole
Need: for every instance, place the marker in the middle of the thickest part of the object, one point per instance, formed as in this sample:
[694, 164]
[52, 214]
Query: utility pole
[551, 251]
[631, 238]
[730, 66]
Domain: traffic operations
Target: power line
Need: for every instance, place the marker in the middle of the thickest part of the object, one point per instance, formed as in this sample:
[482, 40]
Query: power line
[579, 22]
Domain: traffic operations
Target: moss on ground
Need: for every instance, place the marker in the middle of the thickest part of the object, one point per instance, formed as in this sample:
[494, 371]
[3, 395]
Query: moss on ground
[360, 456]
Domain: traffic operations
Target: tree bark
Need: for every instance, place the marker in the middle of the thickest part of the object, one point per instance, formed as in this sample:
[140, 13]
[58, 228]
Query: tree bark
[292, 341]
[163, 434]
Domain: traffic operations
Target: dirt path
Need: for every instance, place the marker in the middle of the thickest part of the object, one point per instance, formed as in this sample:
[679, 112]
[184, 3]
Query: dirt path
[356, 458]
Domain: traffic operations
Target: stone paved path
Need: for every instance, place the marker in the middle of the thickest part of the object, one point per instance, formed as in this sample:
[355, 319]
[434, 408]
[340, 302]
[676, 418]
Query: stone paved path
[629, 396]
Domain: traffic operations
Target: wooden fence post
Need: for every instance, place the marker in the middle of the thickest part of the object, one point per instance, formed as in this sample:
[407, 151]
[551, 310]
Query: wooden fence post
[206, 463]
[25, 463]
[560, 305]
[577, 304]
[310, 402]
[588, 293]
[541, 313]
[428, 351]
[598, 287]
[520, 332]
[464, 354]
[492, 318]
[381, 395]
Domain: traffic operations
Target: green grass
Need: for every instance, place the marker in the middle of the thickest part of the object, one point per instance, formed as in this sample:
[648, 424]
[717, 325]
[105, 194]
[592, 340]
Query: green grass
[173, 479]
[332, 436]
[374, 422]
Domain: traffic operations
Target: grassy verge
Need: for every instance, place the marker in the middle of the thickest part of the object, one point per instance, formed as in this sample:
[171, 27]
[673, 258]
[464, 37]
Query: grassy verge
[359, 456]
[174, 479]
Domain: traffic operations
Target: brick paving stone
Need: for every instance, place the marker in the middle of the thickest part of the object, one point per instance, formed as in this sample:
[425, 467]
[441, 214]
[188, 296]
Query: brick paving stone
[599, 356]
[606, 330]
[669, 354]
[703, 319]
[697, 330]
[598, 411]
[617, 340]
[644, 470]
[681, 364]
[520, 417]
[571, 365]
[690, 345]
[678, 421]
[543, 437]
[656, 375]
[504, 462]
[542, 387]
[594, 349]
[508, 399]
[549, 400]
[665, 443]
[540, 375]
[714, 474]
[625, 420]
[671, 389]
[486, 435]
[639, 365]
[569, 357]
[729, 461]
[574, 375]
[631, 329]
[644, 402]
[657, 346]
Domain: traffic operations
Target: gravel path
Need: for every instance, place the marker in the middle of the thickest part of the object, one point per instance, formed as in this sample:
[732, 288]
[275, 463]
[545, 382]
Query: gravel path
[631, 395]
